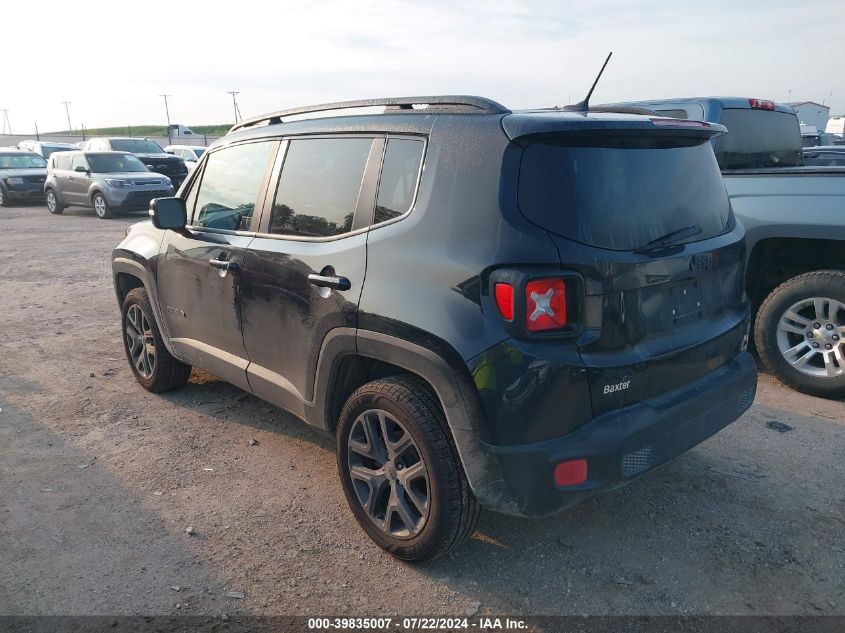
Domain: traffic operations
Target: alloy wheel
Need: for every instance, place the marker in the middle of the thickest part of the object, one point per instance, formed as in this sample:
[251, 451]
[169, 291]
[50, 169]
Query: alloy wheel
[388, 474]
[99, 206]
[810, 337]
[140, 341]
[51, 201]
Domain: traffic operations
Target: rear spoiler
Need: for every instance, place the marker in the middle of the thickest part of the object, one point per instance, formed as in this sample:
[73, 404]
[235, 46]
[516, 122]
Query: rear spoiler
[526, 126]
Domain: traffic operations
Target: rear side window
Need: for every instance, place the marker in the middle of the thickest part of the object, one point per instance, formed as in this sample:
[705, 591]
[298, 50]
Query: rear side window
[319, 186]
[79, 161]
[758, 139]
[623, 194]
[230, 186]
[399, 176]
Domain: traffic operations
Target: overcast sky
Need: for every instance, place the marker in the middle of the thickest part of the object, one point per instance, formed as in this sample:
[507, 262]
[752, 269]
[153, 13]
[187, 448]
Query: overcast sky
[113, 59]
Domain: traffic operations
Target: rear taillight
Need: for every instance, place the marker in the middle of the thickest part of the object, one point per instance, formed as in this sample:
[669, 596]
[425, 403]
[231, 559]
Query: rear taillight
[545, 305]
[537, 303]
[761, 104]
[504, 301]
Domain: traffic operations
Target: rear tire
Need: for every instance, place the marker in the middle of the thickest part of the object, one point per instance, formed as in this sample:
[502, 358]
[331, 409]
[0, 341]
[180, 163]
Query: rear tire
[807, 358]
[4, 198]
[53, 205]
[409, 493]
[102, 209]
[153, 366]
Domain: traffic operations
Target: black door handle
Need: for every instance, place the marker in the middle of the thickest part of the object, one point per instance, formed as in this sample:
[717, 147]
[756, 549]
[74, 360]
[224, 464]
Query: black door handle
[224, 264]
[334, 282]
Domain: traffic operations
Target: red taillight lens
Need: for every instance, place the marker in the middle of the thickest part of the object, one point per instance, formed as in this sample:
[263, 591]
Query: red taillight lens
[545, 303]
[760, 104]
[504, 299]
[571, 473]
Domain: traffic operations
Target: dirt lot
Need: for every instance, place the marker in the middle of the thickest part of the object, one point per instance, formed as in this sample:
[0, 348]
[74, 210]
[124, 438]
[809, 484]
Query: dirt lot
[99, 481]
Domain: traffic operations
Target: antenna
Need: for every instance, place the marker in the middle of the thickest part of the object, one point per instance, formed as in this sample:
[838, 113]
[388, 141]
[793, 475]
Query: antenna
[584, 106]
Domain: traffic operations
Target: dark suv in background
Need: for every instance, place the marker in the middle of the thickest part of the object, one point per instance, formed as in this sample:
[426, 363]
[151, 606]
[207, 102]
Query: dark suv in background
[515, 310]
[148, 152]
[22, 175]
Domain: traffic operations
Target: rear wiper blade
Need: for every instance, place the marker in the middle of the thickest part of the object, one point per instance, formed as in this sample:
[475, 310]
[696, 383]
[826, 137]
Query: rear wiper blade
[672, 236]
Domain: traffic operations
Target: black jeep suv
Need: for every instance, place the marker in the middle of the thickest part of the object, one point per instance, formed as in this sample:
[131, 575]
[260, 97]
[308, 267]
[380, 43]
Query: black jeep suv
[514, 310]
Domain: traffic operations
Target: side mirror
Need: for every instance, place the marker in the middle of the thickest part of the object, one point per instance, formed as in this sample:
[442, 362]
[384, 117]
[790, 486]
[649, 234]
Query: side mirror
[81, 169]
[168, 213]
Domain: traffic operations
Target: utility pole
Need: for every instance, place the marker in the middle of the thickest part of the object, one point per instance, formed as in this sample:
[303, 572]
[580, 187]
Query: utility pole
[67, 112]
[234, 94]
[37, 135]
[167, 112]
[6, 122]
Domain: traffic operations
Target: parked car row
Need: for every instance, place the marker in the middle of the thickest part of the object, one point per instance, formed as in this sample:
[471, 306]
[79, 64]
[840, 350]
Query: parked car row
[109, 175]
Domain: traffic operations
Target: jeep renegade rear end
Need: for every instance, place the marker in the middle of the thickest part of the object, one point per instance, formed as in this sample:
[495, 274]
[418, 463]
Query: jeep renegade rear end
[515, 310]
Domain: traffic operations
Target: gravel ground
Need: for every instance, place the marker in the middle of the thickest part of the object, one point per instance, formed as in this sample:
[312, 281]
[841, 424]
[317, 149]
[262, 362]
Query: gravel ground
[100, 479]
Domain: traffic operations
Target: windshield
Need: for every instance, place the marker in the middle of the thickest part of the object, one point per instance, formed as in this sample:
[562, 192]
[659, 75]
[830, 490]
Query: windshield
[22, 161]
[48, 150]
[624, 194]
[758, 139]
[136, 146]
[114, 163]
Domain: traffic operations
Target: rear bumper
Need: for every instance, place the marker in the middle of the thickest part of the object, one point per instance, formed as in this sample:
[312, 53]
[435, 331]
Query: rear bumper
[619, 445]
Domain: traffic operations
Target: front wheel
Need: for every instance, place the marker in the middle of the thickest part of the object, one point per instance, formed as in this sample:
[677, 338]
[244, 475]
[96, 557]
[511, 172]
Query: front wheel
[153, 366]
[400, 470]
[101, 206]
[800, 333]
[4, 198]
[53, 204]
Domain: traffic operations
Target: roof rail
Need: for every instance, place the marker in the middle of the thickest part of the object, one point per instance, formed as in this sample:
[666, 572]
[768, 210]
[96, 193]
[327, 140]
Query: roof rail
[454, 103]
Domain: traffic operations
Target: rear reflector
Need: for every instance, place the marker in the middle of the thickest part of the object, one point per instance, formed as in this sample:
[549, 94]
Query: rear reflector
[504, 300]
[760, 104]
[571, 473]
[545, 301]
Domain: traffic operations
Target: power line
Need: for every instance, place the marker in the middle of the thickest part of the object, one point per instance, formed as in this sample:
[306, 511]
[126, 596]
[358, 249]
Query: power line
[234, 94]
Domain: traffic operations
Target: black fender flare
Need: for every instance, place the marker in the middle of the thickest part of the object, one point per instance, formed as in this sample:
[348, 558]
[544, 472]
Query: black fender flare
[453, 388]
[125, 265]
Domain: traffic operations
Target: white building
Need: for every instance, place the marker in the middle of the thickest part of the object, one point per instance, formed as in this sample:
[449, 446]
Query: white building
[811, 113]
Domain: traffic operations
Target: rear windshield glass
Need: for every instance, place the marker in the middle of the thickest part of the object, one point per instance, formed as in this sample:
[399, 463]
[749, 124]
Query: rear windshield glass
[758, 139]
[21, 161]
[136, 146]
[623, 195]
[49, 150]
[114, 163]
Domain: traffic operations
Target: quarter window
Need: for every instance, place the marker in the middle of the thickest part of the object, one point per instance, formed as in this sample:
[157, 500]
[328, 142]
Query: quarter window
[319, 186]
[399, 176]
[230, 187]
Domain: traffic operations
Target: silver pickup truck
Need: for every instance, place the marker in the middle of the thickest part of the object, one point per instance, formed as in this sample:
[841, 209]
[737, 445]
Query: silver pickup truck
[794, 217]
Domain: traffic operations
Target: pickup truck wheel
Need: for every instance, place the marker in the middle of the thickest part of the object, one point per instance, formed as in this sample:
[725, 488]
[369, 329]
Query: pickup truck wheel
[149, 360]
[4, 199]
[53, 204]
[800, 333]
[400, 470]
[101, 206]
